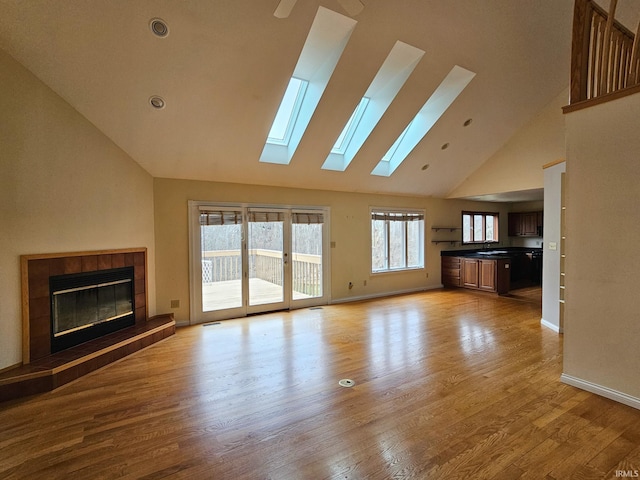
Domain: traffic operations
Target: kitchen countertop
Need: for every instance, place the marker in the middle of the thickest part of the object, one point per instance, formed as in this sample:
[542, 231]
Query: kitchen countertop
[492, 253]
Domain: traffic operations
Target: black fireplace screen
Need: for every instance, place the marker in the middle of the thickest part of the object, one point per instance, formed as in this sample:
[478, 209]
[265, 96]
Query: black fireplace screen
[87, 305]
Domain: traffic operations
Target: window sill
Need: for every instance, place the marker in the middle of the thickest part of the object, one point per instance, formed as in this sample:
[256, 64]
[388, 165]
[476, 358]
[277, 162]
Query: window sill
[397, 270]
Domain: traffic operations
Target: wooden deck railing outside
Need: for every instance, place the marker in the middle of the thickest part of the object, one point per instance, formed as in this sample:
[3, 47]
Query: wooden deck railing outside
[224, 265]
[604, 56]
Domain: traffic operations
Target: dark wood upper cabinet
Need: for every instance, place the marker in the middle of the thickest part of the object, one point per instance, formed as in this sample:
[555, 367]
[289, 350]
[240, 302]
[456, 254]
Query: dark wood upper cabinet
[525, 224]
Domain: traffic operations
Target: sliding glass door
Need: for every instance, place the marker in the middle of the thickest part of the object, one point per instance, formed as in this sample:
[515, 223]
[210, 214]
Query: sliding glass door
[267, 259]
[250, 259]
[221, 235]
[307, 247]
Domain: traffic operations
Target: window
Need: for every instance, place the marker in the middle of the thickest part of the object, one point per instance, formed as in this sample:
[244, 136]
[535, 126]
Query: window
[327, 38]
[280, 132]
[392, 151]
[479, 227]
[350, 128]
[397, 240]
[391, 76]
[446, 93]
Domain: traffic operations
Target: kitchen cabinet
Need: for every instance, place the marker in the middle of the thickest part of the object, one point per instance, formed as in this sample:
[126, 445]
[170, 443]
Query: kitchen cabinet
[479, 273]
[525, 224]
[491, 275]
[451, 271]
[487, 275]
[470, 271]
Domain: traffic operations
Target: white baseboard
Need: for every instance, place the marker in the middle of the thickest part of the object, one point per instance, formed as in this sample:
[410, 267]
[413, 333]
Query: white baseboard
[600, 390]
[550, 325]
[383, 294]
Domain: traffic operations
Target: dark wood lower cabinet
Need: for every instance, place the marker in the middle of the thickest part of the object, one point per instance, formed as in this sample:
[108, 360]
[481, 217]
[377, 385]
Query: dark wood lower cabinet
[491, 275]
[470, 273]
[451, 268]
[487, 275]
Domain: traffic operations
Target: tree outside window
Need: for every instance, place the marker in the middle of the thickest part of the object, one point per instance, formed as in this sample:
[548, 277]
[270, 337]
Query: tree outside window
[397, 240]
[479, 227]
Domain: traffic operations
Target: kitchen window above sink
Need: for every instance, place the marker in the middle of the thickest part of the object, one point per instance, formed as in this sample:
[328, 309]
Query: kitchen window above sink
[479, 227]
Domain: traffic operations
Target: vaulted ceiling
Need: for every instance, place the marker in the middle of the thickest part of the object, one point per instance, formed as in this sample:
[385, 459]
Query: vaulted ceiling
[225, 65]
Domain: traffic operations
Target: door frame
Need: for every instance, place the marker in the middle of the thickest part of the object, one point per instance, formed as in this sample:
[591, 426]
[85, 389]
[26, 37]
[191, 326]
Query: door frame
[286, 273]
[197, 315]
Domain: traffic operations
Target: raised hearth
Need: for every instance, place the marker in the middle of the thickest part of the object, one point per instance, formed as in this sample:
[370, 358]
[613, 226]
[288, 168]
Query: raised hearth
[53, 371]
[66, 295]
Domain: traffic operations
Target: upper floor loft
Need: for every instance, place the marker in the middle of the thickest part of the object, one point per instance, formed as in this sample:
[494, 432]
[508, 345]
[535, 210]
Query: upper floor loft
[605, 57]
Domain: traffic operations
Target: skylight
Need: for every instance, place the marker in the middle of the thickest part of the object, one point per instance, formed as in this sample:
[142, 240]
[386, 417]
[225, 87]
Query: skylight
[349, 129]
[387, 156]
[325, 43]
[280, 132]
[392, 75]
[446, 93]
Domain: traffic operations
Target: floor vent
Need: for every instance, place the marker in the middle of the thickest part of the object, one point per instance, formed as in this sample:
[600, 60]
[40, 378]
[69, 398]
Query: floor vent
[209, 324]
[346, 382]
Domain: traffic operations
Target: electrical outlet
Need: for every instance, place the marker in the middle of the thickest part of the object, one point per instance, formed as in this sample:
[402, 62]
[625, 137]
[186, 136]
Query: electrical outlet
[175, 303]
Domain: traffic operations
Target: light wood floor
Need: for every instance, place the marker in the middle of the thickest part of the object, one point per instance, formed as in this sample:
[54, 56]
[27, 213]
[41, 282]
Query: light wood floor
[448, 384]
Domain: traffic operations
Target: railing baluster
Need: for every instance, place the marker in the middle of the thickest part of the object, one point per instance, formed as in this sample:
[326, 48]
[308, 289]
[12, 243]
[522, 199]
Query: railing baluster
[606, 67]
[605, 55]
[634, 60]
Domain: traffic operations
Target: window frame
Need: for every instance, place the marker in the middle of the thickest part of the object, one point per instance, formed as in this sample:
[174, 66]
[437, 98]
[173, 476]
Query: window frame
[345, 137]
[405, 240]
[297, 86]
[496, 227]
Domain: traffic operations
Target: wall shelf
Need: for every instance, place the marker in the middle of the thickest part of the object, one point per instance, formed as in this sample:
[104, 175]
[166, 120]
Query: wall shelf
[451, 229]
[445, 240]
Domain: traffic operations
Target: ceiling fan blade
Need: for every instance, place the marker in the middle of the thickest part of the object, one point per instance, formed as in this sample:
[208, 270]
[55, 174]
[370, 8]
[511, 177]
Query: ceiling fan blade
[284, 8]
[352, 7]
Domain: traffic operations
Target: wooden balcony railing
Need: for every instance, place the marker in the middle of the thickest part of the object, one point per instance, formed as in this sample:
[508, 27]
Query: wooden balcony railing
[604, 53]
[225, 265]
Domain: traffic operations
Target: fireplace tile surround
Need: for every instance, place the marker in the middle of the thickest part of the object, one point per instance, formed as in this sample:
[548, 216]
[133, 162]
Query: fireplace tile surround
[36, 304]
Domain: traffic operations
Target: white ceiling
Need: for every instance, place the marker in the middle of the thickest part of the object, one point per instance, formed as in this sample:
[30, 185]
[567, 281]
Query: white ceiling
[226, 63]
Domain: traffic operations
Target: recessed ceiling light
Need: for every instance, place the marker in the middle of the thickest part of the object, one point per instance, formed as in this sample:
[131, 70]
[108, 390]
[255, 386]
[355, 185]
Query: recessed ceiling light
[467, 122]
[159, 27]
[445, 146]
[425, 166]
[157, 102]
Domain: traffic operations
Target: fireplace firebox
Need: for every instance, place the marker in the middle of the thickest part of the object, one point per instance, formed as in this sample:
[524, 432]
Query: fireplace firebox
[88, 305]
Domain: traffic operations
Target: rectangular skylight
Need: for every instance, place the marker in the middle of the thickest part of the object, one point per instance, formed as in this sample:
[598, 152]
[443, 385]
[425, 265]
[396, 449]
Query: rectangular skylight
[349, 129]
[387, 156]
[325, 43]
[446, 93]
[392, 75]
[280, 132]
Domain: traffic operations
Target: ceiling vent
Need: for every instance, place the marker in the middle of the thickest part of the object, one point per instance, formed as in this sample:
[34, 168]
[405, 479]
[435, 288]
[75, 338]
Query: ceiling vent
[159, 27]
[157, 102]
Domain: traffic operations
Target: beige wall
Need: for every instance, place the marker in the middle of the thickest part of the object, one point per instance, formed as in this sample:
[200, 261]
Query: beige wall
[64, 187]
[518, 164]
[349, 229]
[602, 322]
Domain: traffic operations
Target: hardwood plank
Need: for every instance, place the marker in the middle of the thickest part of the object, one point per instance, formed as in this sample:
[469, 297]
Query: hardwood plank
[448, 384]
